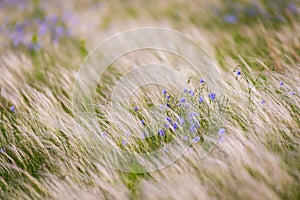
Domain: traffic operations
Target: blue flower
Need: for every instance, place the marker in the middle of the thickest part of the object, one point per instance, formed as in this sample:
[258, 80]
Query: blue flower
[165, 91]
[53, 19]
[17, 38]
[212, 96]
[281, 83]
[238, 72]
[175, 126]
[182, 100]
[161, 132]
[143, 121]
[192, 116]
[263, 101]
[12, 109]
[43, 29]
[196, 139]
[168, 97]
[193, 128]
[191, 92]
[59, 30]
[221, 131]
[20, 27]
[180, 121]
[124, 142]
[169, 119]
[136, 109]
[230, 19]
[168, 105]
[185, 138]
[201, 81]
[185, 90]
[292, 7]
[201, 99]
[33, 46]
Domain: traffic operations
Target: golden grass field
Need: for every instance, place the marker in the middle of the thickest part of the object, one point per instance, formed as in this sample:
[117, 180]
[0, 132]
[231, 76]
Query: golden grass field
[46, 154]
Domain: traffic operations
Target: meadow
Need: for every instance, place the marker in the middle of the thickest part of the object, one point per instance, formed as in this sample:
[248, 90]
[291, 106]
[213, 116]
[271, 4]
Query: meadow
[240, 143]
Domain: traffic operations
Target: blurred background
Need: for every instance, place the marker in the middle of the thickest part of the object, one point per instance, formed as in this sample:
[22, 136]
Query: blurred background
[35, 24]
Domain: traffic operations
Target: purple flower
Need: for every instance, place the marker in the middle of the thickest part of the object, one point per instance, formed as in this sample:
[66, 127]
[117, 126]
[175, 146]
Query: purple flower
[292, 7]
[20, 27]
[169, 119]
[182, 100]
[201, 99]
[43, 28]
[192, 116]
[175, 126]
[230, 19]
[12, 109]
[281, 83]
[143, 121]
[221, 131]
[17, 41]
[191, 92]
[181, 121]
[196, 139]
[201, 81]
[136, 109]
[263, 101]
[185, 138]
[17, 38]
[33, 46]
[165, 91]
[185, 90]
[59, 30]
[53, 19]
[168, 97]
[124, 142]
[238, 72]
[212, 96]
[161, 132]
[193, 128]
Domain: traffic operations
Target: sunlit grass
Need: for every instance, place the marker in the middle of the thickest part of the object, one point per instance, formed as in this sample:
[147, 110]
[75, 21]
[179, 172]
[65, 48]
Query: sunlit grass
[45, 154]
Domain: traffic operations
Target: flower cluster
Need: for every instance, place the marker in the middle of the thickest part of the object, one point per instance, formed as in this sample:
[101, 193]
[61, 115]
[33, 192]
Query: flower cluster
[32, 32]
[185, 114]
[237, 11]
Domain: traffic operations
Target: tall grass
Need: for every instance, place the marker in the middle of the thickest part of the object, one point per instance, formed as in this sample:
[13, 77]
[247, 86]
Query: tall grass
[45, 154]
